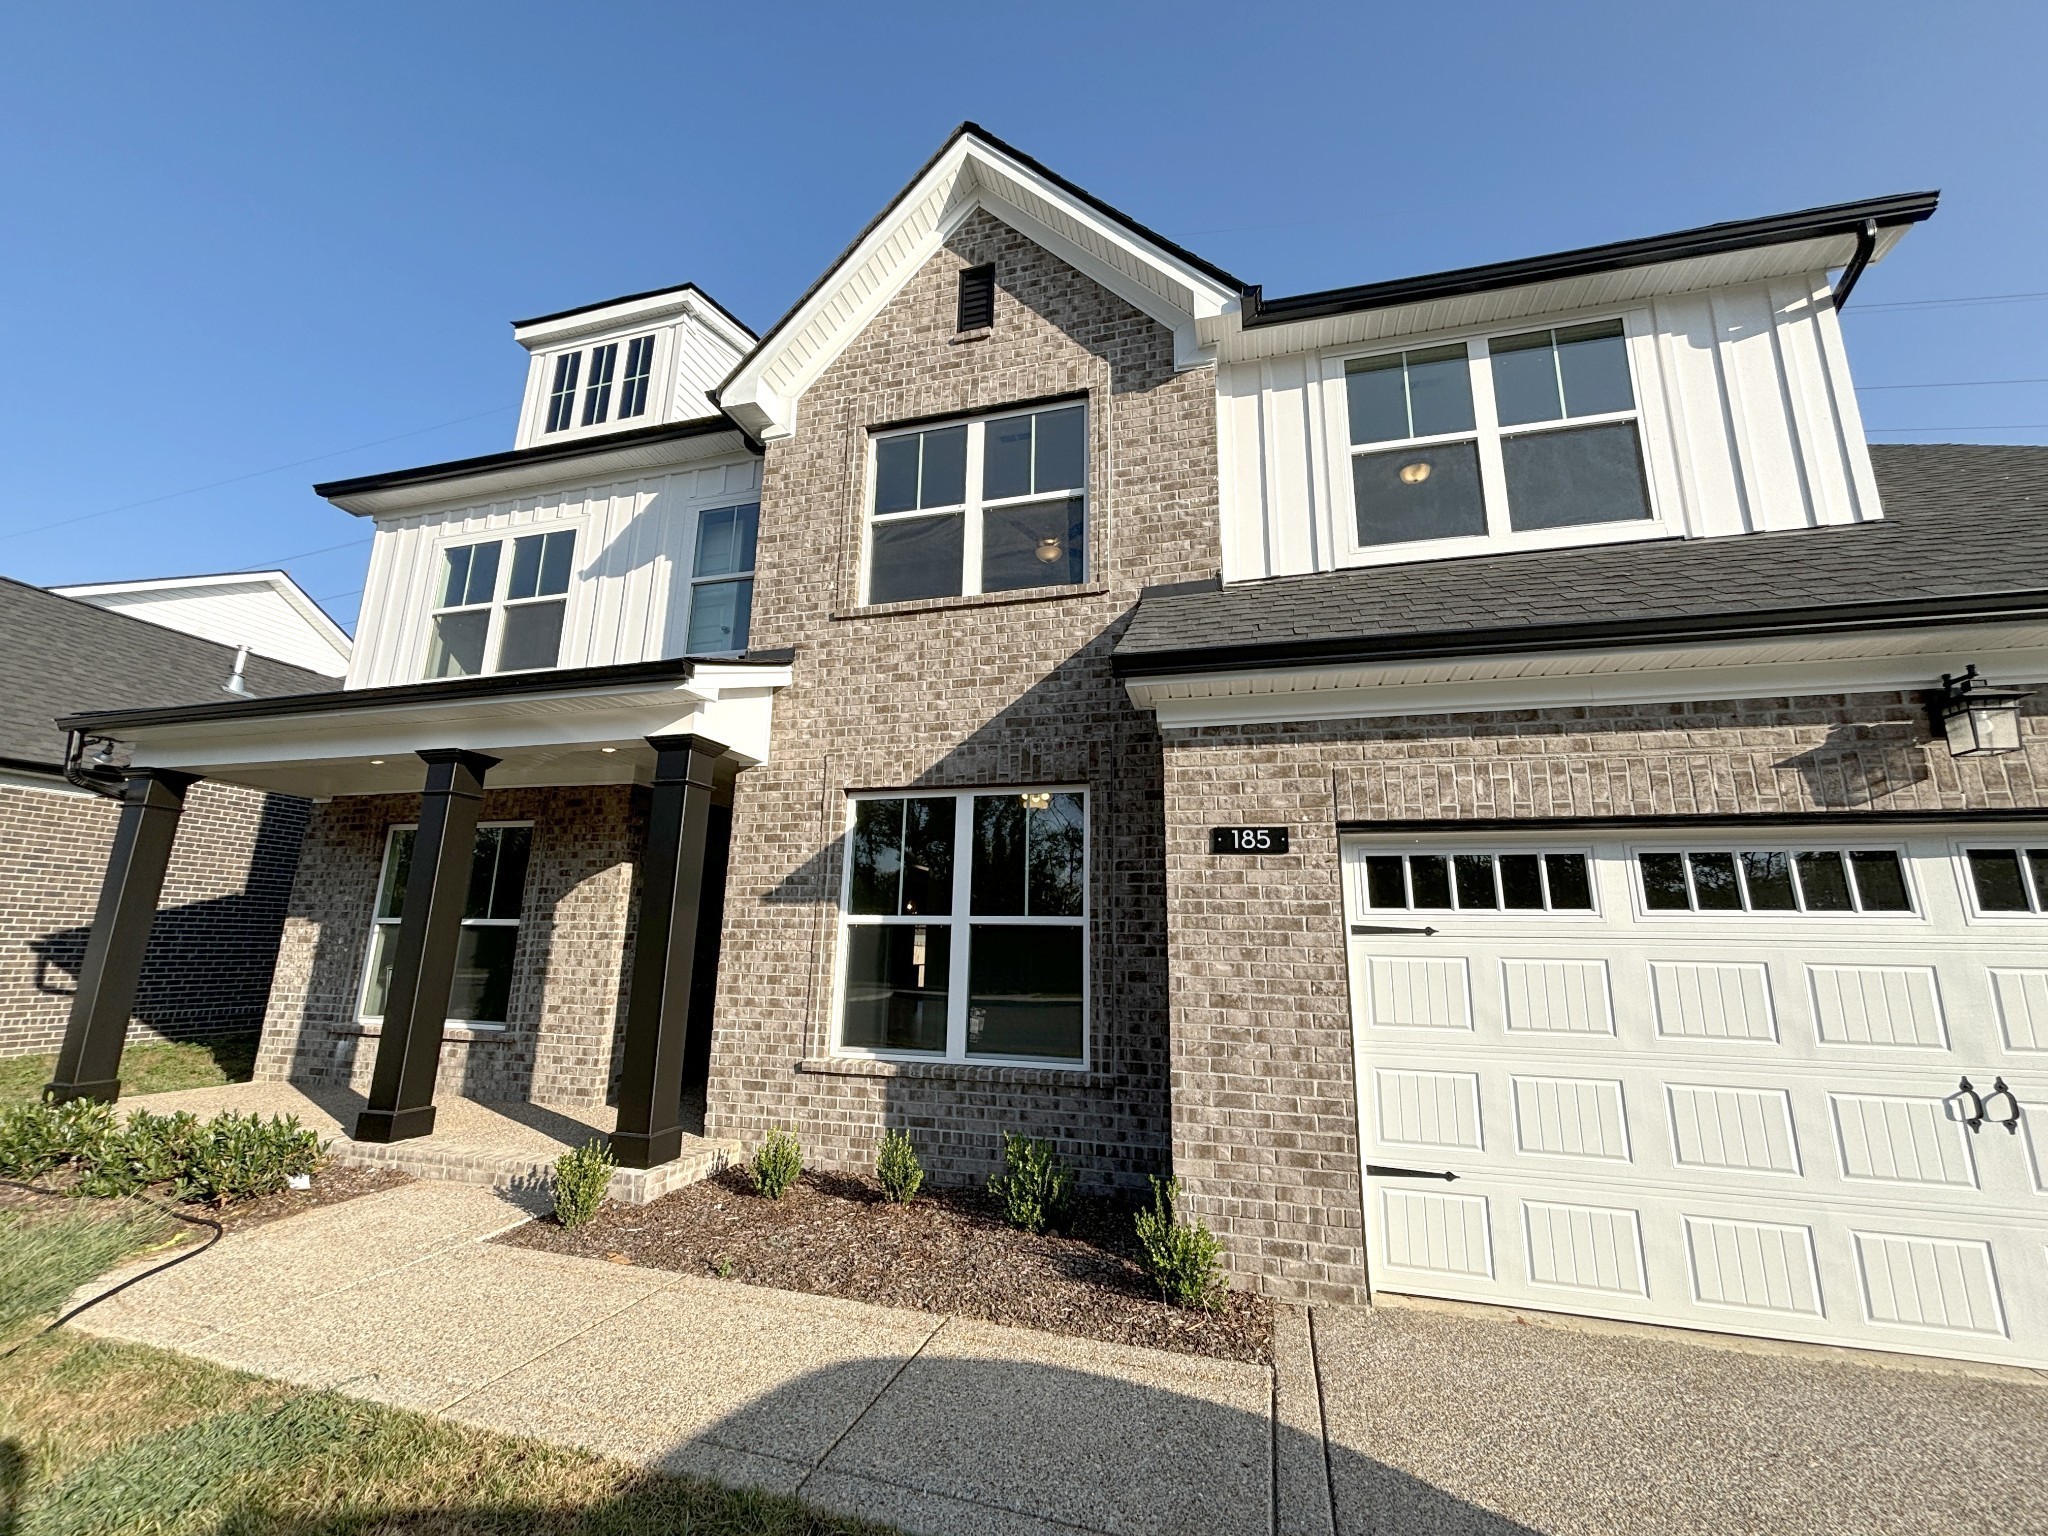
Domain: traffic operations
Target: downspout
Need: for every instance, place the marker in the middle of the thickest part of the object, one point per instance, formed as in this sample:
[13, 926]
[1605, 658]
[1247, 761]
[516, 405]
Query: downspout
[1866, 247]
[98, 775]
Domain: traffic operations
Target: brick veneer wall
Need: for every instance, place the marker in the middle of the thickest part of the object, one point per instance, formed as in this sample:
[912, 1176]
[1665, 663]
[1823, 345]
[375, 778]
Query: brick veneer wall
[207, 969]
[959, 693]
[570, 967]
[1264, 1093]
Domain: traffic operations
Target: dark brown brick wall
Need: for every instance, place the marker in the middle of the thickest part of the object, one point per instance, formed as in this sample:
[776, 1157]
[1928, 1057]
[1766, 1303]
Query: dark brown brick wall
[207, 969]
[1264, 1093]
[569, 980]
[964, 692]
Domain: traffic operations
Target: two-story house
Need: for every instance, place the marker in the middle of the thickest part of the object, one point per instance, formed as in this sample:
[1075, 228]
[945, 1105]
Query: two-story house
[1473, 773]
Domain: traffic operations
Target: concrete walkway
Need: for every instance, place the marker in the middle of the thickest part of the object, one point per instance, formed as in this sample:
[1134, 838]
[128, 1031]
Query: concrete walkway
[1440, 1422]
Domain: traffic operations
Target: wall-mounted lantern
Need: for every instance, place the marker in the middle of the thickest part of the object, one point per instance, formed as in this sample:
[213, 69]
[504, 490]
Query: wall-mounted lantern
[1979, 719]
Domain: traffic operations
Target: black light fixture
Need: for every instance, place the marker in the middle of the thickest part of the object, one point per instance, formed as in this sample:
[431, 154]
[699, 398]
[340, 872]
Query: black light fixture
[1978, 718]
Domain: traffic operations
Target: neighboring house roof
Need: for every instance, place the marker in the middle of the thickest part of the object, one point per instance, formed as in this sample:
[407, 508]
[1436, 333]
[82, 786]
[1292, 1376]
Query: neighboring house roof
[264, 610]
[1964, 535]
[60, 656]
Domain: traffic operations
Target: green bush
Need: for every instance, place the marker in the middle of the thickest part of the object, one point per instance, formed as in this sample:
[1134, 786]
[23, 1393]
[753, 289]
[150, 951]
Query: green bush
[896, 1165]
[229, 1157]
[235, 1157]
[1180, 1256]
[28, 1142]
[1035, 1187]
[776, 1164]
[583, 1177]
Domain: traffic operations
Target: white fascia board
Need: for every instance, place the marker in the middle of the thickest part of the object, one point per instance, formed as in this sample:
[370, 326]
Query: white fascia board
[1858, 662]
[598, 465]
[970, 175]
[1806, 259]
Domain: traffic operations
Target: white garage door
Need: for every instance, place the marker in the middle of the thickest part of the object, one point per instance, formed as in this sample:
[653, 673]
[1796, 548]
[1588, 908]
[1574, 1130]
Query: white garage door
[1713, 1080]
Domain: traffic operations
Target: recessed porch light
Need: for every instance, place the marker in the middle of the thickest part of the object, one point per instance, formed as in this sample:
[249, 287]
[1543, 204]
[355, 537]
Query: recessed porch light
[607, 749]
[376, 762]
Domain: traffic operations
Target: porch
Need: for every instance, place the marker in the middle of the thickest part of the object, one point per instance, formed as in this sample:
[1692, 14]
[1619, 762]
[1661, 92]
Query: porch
[504, 932]
[508, 1146]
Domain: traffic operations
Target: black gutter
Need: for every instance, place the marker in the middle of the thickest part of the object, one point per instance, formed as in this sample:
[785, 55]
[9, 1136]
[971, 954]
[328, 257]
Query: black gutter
[448, 690]
[546, 453]
[1107, 210]
[1707, 240]
[628, 298]
[1757, 625]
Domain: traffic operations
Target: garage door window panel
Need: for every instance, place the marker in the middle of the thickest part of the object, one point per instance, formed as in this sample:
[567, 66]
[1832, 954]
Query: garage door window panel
[1478, 882]
[2009, 880]
[1867, 881]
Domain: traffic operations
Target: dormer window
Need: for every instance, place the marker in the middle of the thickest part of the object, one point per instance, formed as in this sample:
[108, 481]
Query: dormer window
[508, 611]
[603, 385]
[1492, 438]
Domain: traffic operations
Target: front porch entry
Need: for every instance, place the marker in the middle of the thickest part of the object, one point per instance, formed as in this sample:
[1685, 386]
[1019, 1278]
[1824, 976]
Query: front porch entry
[646, 725]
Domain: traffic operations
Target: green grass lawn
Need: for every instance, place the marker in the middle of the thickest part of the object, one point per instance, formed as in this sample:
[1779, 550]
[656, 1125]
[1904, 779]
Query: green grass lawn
[145, 1068]
[97, 1437]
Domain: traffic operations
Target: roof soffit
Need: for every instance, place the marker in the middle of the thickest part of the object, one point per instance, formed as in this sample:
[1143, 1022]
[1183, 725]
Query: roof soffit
[971, 174]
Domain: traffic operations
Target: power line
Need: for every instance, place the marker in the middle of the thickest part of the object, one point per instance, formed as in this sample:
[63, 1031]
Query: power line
[2015, 426]
[1953, 384]
[1981, 298]
[254, 474]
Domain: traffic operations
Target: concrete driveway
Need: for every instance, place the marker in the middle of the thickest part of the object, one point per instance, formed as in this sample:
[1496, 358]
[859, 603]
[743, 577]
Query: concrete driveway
[1401, 1419]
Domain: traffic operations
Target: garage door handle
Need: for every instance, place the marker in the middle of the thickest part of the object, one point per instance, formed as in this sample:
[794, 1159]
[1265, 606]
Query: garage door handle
[1998, 1089]
[1975, 1119]
[1382, 1171]
[1358, 928]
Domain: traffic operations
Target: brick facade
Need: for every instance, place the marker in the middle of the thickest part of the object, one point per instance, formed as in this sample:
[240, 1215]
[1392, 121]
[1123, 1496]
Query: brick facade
[208, 966]
[569, 980]
[1264, 1092]
[958, 693]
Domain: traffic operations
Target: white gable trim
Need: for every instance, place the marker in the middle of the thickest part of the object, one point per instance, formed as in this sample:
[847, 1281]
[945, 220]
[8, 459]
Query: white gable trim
[314, 617]
[971, 174]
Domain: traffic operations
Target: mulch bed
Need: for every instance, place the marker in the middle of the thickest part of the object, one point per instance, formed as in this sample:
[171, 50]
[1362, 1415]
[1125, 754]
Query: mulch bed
[949, 1251]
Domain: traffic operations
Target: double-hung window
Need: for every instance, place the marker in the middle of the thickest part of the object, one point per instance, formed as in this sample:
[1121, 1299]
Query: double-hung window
[998, 504]
[602, 384]
[1506, 438]
[508, 612]
[482, 990]
[965, 926]
[722, 580]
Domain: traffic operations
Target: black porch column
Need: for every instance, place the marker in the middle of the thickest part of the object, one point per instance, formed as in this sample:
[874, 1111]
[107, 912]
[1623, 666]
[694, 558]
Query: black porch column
[89, 1064]
[423, 967]
[665, 949]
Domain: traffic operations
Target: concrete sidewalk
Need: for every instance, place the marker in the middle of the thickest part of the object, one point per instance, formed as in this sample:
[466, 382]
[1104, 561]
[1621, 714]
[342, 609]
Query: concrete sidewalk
[1440, 1421]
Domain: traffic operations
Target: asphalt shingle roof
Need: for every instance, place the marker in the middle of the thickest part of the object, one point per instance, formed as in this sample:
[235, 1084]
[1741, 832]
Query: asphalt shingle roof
[59, 656]
[1964, 526]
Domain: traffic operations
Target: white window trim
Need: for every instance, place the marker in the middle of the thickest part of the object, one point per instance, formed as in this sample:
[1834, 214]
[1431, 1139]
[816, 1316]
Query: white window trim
[1366, 913]
[1499, 538]
[1766, 842]
[974, 506]
[363, 1016]
[960, 924]
[437, 570]
[1966, 880]
[693, 581]
[543, 387]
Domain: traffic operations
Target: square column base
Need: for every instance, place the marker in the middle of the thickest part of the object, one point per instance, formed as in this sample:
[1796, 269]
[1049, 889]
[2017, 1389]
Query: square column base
[388, 1125]
[631, 1150]
[104, 1092]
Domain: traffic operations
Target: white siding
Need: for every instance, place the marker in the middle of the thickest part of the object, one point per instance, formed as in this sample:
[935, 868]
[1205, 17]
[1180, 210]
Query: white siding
[702, 361]
[254, 614]
[690, 359]
[629, 589]
[1749, 424]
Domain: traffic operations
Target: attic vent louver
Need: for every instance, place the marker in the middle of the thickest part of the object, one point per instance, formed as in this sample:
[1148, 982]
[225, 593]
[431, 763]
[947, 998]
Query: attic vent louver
[977, 298]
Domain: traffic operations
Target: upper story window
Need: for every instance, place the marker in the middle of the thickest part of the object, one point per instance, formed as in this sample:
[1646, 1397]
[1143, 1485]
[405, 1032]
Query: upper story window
[598, 371]
[510, 611]
[1494, 437]
[722, 580]
[996, 504]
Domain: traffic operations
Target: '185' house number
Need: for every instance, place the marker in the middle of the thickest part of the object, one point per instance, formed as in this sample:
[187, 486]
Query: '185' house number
[1247, 839]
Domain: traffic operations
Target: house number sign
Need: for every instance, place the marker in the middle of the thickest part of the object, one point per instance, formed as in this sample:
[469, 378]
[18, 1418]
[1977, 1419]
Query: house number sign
[1247, 839]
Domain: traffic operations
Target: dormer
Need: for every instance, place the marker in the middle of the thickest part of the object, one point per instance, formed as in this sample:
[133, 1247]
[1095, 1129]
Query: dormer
[644, 360]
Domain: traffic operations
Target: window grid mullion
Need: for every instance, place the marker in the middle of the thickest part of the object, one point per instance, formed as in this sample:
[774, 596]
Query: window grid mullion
[961, 926]
[970, 542]
[1493, 472]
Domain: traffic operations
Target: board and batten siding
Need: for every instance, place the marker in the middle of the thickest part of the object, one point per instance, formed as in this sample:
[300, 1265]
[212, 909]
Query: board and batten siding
[1749, 424]
[630, 582]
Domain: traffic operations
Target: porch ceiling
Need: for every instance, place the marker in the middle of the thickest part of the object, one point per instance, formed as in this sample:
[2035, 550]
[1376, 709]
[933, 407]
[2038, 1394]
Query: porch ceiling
[587, 730]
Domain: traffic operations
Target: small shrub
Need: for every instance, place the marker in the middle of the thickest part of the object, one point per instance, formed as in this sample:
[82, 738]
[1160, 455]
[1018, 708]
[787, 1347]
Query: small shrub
[776, 1164]
[583, 1177]
[235, 1157]
[1035, 1187]
[28, 1141]
[1180, 1256]
[896, 1165]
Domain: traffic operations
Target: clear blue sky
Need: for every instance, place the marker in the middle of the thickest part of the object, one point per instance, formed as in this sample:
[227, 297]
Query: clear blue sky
[236, 238]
